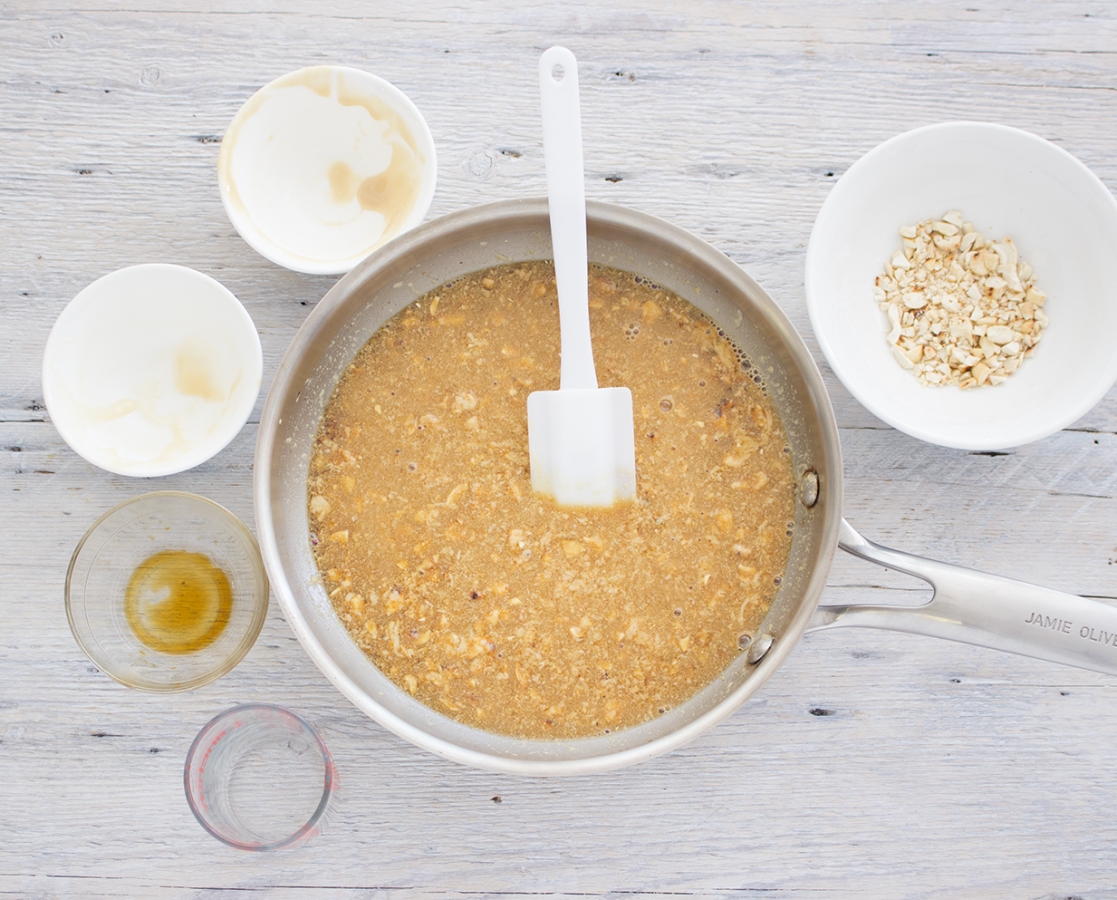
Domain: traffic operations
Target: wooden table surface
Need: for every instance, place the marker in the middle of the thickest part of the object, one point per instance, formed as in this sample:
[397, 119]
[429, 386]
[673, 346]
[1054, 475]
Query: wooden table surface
[871, 765]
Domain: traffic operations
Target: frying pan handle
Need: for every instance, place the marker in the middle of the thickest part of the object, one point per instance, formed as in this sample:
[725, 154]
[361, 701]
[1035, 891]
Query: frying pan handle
[986, 610]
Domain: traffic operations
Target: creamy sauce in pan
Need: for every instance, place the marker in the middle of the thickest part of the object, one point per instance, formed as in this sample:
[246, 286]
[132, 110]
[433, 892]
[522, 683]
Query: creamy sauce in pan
[487, 602]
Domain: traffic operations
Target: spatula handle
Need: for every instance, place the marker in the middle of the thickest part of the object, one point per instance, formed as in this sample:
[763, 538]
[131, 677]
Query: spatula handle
[566, 197]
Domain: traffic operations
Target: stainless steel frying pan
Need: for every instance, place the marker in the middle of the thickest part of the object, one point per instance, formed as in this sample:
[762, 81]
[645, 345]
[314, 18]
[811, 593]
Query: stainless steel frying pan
[967, 606]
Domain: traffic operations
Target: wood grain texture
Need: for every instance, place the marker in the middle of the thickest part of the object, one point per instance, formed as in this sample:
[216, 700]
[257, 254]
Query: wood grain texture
[871, 765]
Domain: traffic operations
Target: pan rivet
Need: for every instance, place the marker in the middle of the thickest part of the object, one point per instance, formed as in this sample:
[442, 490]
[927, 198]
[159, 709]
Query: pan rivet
[808, 488]
[760, 648]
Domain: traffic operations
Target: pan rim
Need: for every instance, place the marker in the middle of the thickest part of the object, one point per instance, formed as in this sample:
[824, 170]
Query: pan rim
[601, 215]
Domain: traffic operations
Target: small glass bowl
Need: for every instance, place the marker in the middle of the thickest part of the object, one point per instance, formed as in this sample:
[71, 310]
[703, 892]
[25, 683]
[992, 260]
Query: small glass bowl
[258, 777]
[119, 542]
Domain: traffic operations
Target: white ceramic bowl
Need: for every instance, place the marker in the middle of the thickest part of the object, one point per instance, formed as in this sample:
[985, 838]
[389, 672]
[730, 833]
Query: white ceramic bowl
[323, 165]
[1009, 183]
[151, 370]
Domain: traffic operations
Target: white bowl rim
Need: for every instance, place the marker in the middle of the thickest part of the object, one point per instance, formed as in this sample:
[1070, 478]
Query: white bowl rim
[1072, 412]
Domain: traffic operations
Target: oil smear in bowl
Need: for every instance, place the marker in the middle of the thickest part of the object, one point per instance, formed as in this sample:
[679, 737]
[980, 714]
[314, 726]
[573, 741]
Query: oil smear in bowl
[178, 601]
[323, 165]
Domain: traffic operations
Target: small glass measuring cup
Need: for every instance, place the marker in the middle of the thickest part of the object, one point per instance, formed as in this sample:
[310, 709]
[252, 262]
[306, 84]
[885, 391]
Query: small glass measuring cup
[258, 777]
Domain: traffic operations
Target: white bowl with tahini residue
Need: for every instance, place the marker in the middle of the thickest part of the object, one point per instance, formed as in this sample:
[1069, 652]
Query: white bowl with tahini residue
[323, 165]
[151, 370]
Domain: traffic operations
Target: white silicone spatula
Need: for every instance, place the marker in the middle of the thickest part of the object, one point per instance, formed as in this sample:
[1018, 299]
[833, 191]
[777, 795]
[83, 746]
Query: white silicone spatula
[580, 437]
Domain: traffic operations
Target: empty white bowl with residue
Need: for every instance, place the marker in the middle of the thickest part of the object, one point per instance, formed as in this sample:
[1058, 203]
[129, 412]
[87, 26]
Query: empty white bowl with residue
[324, 165]
[151, 370]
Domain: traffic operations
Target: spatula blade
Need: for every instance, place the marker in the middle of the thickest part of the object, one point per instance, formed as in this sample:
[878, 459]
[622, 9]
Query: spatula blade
[581, 445]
